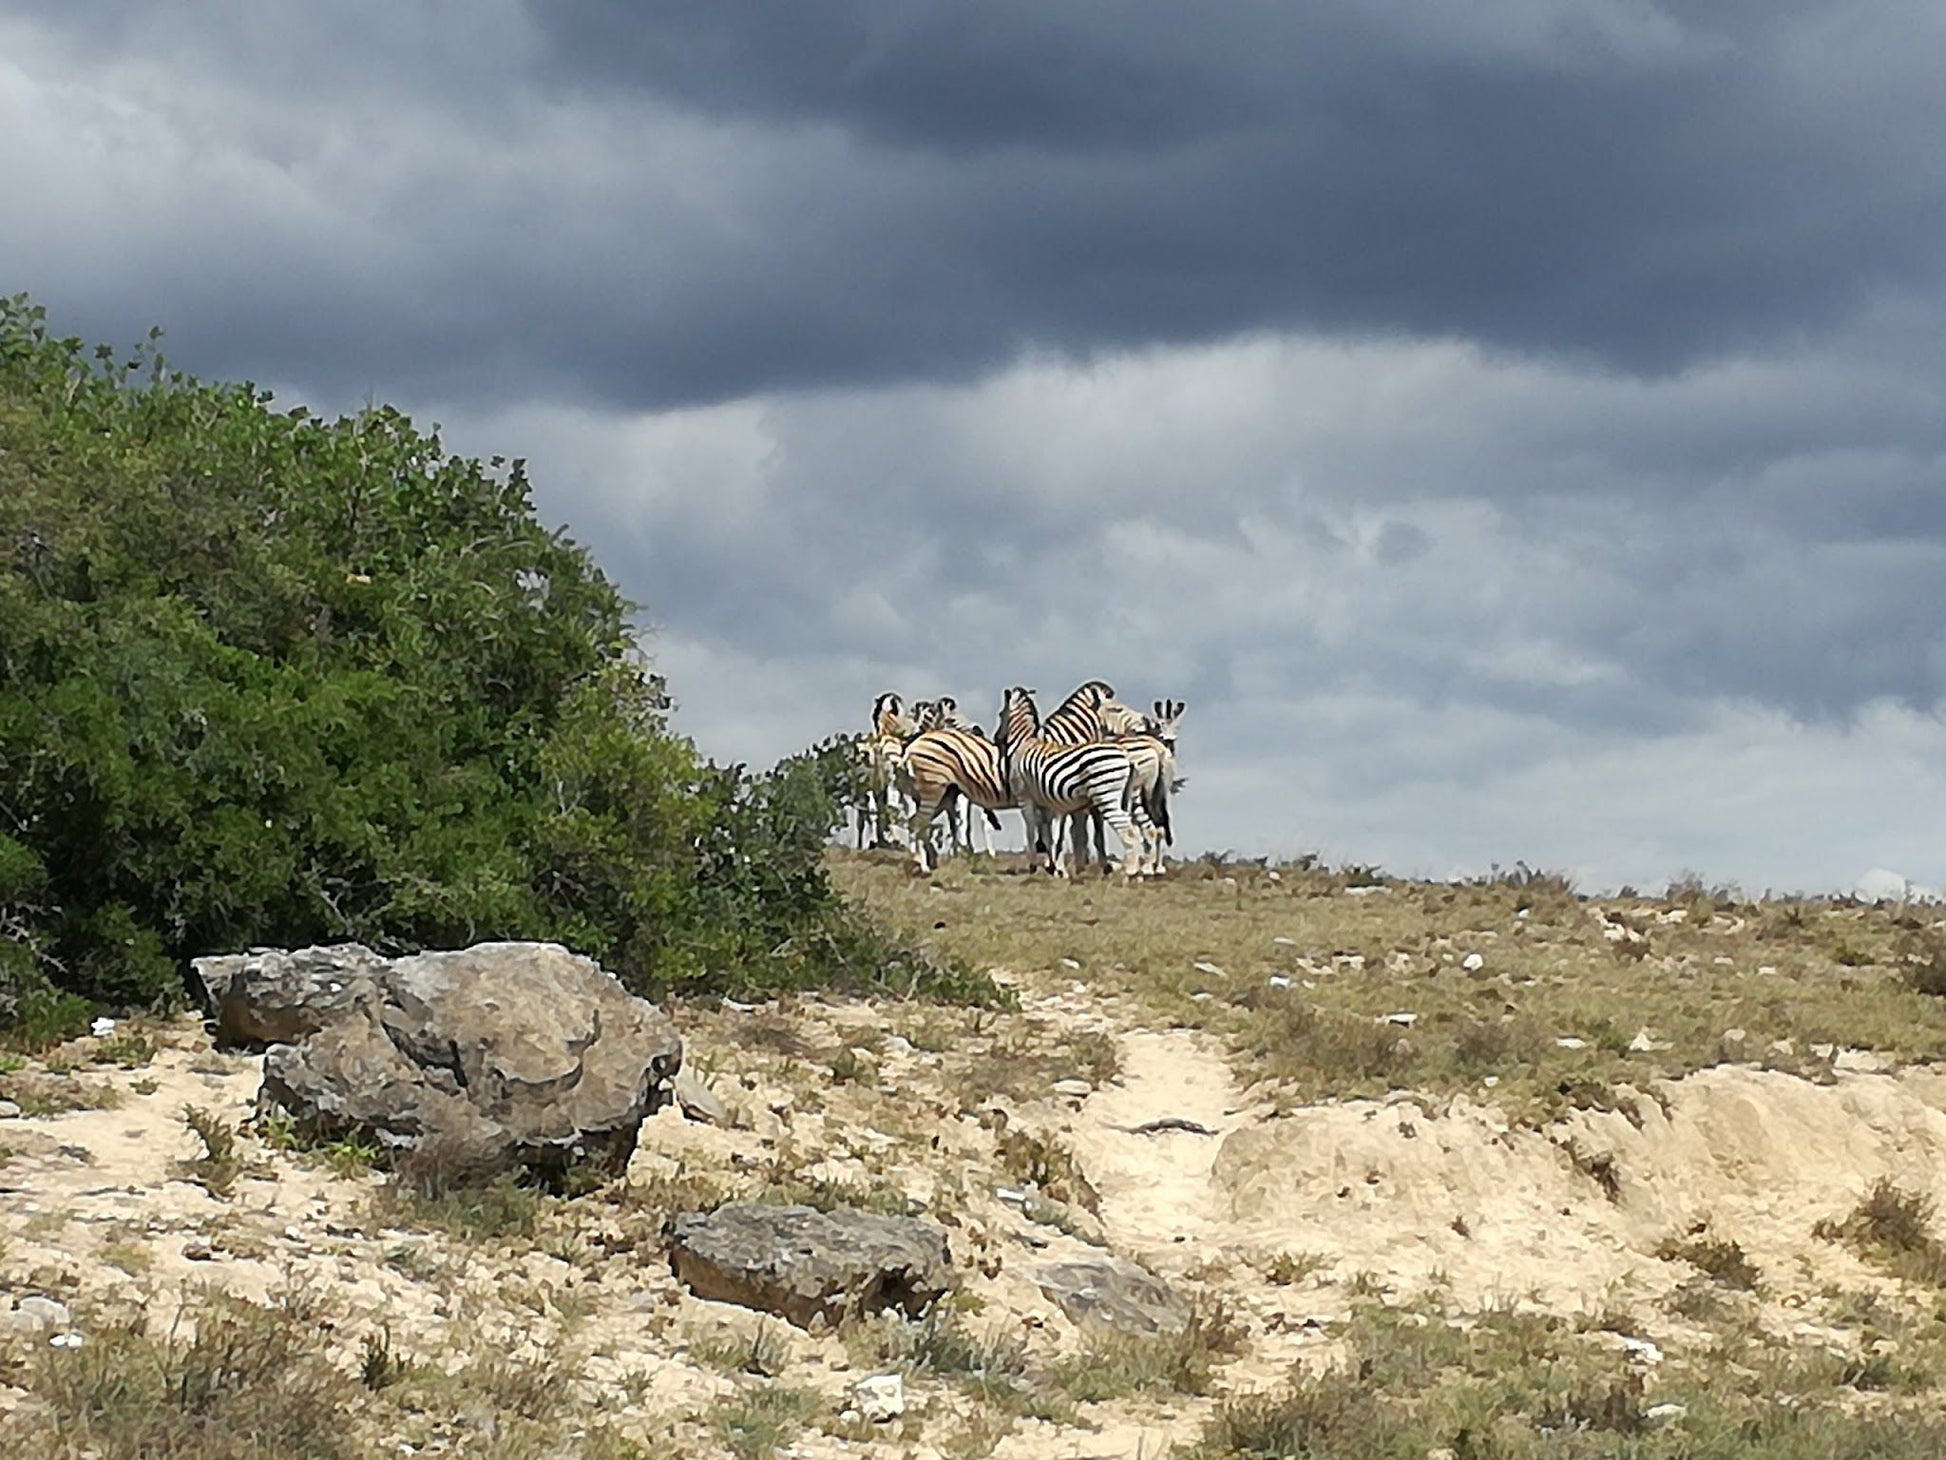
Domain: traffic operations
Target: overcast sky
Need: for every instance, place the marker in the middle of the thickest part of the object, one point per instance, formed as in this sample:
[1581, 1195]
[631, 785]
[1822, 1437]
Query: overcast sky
[1517, 428]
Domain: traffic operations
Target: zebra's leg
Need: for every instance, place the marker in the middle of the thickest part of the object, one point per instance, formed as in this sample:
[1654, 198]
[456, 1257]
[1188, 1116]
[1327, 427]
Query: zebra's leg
[1129, 837]
[924, 858]
[1078, 838]
[1044, 838]
[1101, 839]
[953, 821]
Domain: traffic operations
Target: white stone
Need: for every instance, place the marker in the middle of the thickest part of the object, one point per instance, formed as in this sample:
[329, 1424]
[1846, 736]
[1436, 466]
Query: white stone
[1880, 885]
[1646, 1043]
[1662, 1414]
[1070, 963]
[9, 1110]
[1210, 968]
[1074, 1089]
[1404, 1021]
[1283, 942]
[66, 1340]
[1473, 962]
[45, 1311]
[1568, 1041]
[880, 1398]
[1641, 1348]
[102, 1027]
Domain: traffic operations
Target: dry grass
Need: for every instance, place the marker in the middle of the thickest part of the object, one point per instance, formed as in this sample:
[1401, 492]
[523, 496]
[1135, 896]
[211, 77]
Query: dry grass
[1894, 1228]
[1717, 1258]
[1503, 1383]
[1321, 991]
[220, 1166]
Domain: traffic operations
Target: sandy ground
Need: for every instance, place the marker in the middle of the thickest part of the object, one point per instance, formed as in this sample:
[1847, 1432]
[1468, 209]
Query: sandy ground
[1396, 1196]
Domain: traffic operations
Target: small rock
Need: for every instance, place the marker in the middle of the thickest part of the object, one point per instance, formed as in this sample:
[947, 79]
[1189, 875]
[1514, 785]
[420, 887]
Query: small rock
[197, 1252]
[1662, 1414]
[1114, 1293]
[1209, 968]
[1280, 981]
[1735, 1036]
[66, 1340]
[1568, 1041]
[9, 1110]
[1473, 962]
[1404, 1021]
[44, 1312]
[102, 1027]
[1074, 1089]
[807, 1265]
[880, 1398]
[1070, 963]
[698, 1102]
[1646, 1043]
[1641, 1348]
[1285, 942]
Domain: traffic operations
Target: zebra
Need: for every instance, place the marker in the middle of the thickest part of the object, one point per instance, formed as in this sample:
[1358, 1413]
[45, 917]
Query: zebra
[1093, 713]
[939, 767]
[944, 714]
[1051, 779]
[1153, 748]
[883, 748]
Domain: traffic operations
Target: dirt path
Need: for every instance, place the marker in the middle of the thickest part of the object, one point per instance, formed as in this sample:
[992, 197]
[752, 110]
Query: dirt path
[1157, 1199]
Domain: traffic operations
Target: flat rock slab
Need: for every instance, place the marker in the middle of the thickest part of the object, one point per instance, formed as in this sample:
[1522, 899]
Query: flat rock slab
[1112, 1292]
[802, 1264]
[491, 1057]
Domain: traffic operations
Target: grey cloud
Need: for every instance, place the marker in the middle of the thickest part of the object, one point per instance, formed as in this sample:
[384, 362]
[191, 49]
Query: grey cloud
[705, 201]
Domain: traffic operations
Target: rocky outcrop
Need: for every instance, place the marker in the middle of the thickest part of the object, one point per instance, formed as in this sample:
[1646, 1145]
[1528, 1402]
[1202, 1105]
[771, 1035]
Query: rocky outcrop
[1112, 1292]
[500, 1055]
[803, 1264]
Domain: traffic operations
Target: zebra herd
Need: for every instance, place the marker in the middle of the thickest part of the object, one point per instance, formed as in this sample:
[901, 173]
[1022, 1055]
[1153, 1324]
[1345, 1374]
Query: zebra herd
[1092, 761]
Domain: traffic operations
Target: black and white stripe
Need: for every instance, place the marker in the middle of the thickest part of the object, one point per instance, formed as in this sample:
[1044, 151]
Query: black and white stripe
[1050, 779]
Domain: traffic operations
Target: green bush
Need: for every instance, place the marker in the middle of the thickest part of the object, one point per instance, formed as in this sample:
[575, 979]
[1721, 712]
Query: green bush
[267, 679]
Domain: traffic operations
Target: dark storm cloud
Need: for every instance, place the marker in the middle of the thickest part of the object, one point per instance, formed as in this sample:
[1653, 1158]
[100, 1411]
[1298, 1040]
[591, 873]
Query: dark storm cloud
[687, 202]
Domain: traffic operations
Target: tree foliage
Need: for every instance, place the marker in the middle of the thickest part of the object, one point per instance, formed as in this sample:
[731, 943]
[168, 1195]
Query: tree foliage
[271, 679]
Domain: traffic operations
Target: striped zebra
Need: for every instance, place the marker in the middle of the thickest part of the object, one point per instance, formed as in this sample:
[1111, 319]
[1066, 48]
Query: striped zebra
[1092, 713]
[944, 714]
[883, 748]
[1051, 779]
[1150, 741]
[943, 766]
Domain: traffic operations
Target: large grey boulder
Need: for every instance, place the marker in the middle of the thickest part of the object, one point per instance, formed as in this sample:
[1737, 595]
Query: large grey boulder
[804, 1264]
[1112, 1292]
[500, 1055]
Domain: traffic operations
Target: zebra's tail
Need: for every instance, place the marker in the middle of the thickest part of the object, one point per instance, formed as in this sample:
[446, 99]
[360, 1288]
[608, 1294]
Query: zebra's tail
[1158, 800]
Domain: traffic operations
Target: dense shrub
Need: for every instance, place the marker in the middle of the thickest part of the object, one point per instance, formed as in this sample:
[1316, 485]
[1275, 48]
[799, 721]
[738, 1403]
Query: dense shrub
[270, 679]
